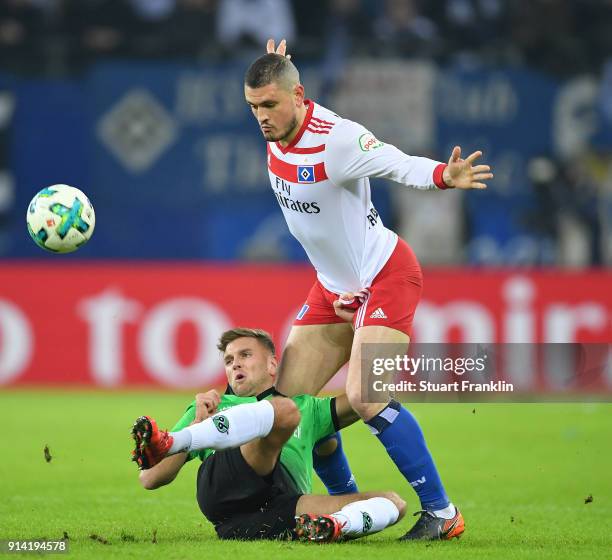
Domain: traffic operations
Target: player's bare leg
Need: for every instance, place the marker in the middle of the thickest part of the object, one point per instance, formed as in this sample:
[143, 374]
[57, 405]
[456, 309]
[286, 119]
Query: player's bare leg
[325, 505]
[332, 518]
[375, 335]
[401, 435]
[313, 355]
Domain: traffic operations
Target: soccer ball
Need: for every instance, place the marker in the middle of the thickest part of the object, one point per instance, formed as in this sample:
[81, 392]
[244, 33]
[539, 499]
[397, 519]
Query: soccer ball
[60, 219]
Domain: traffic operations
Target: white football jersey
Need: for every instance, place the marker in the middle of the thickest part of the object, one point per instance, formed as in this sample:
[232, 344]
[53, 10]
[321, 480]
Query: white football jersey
[321, 183]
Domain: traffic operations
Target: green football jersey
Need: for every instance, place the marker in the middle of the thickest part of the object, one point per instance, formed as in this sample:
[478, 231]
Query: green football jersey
[317, 421]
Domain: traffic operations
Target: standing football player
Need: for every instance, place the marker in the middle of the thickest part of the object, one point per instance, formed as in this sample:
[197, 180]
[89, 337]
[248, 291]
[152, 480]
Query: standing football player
[319, 164]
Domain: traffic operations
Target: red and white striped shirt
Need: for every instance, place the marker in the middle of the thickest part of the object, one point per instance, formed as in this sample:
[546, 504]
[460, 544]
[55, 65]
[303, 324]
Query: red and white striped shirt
[321, 183]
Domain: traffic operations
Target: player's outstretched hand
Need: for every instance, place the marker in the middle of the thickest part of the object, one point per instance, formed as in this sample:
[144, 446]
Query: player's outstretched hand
[206, 404]
[282, 48]
[462, 174]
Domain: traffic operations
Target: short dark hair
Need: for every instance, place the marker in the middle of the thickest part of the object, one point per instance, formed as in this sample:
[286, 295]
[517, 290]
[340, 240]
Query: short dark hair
[259, 334]
[270, 68]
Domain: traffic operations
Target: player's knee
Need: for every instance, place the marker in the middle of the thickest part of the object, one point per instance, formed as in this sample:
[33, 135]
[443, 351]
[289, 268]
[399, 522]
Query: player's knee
[326, 448]
[286, 414]
[400, 504]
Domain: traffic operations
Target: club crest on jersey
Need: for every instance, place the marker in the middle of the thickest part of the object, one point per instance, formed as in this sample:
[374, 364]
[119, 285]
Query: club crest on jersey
[302, 312]
[305, 174]
[369, 142]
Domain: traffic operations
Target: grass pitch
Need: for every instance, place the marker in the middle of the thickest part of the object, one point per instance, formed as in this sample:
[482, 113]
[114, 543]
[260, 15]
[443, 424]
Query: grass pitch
[521, 473]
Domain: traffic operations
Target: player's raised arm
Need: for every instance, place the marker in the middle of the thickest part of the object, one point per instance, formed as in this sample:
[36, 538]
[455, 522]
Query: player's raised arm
[353, 153]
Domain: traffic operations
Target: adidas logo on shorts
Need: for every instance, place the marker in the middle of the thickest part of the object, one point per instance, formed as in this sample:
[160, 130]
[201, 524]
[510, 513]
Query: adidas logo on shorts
[378, 314]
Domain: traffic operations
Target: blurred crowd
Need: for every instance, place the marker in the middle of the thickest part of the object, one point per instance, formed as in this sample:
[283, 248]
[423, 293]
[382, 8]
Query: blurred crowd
[572, 213]
[63, 36]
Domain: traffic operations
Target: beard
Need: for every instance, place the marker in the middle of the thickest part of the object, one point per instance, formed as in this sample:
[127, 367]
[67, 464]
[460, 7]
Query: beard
[280, 136]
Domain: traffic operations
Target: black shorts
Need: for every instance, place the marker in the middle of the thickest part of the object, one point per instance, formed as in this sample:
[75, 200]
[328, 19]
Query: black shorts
[243, 505]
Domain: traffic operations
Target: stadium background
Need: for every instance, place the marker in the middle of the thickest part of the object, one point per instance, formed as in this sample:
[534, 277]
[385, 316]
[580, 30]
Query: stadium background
[139, 104]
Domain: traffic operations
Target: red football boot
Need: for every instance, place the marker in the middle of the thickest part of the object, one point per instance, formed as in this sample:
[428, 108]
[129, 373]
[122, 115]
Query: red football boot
[152, 445]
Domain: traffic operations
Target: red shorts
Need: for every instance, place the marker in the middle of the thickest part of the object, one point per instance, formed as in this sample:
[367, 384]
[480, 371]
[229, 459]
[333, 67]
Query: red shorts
[391, 299]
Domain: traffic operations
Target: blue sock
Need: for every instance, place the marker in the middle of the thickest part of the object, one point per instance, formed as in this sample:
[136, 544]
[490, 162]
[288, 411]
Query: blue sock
[334, 470]
[403, 439]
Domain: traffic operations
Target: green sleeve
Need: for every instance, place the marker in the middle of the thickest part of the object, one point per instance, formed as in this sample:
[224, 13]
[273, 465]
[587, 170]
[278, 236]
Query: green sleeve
[185, 420]
[323, 413]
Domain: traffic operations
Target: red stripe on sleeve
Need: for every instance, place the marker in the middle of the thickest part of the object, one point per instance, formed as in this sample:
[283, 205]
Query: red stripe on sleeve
[317, 131]
[322, 121]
